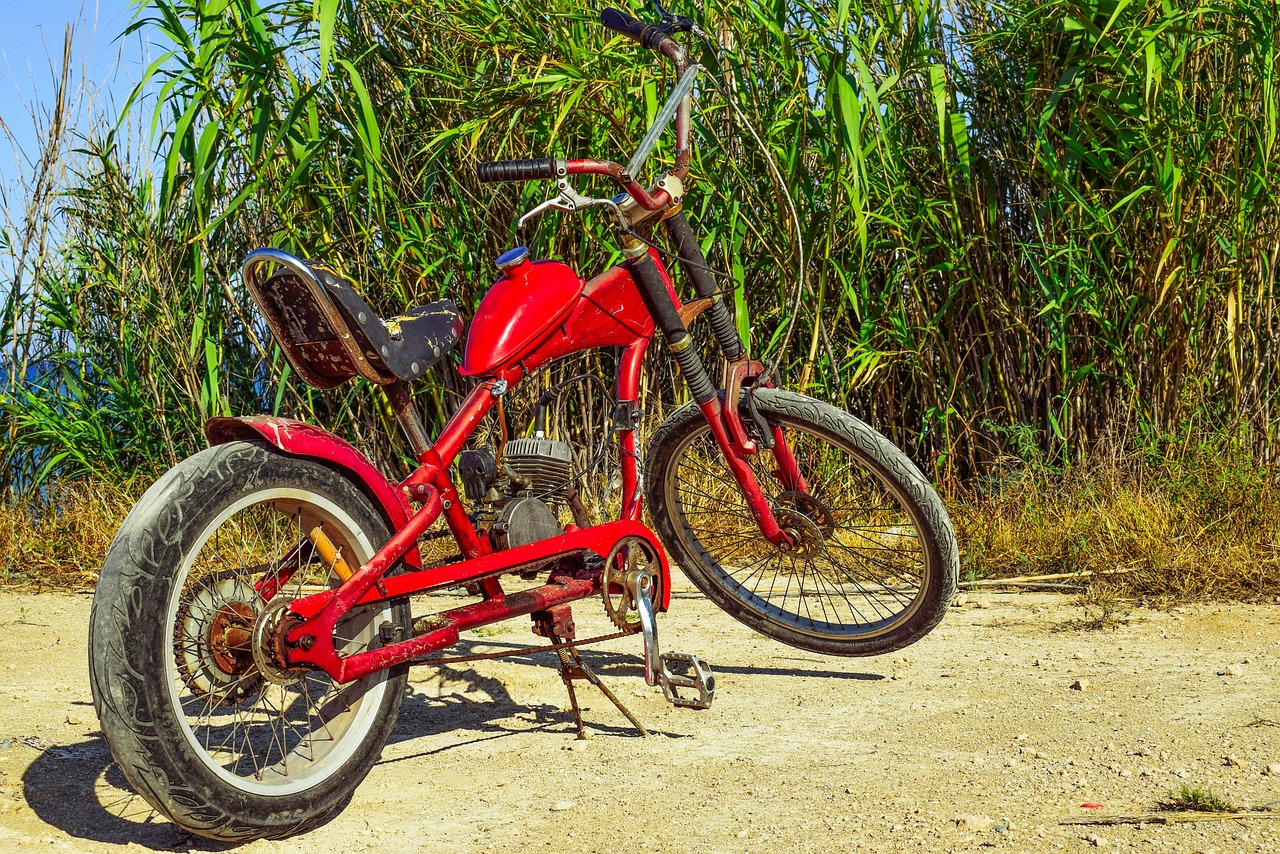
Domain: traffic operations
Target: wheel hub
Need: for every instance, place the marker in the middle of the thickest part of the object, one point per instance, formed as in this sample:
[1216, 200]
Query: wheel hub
[212, 637]
[268, 644]
[806, 537]
[808, 506]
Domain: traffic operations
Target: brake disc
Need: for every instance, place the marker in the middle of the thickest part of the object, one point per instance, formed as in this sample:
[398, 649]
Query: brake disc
[212, 638]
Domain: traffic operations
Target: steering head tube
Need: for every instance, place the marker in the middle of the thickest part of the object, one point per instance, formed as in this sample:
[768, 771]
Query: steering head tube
[494, 171]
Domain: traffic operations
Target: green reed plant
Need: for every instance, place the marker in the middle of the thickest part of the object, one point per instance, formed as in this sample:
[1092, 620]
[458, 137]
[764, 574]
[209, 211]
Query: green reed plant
[1059, 215]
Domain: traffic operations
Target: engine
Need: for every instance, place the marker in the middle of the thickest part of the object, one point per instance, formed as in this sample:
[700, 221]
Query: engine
[517, 495]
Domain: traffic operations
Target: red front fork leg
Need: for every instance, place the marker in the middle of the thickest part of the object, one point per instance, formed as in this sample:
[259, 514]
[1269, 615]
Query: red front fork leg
[744, 475]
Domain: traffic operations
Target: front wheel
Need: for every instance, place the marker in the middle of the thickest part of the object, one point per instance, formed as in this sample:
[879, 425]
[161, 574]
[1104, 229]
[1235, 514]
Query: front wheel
[201, 720]
[875, 563]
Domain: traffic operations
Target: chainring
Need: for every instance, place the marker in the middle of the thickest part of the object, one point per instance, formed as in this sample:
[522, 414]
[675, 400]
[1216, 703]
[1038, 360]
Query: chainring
[627, 555]
[218, 610]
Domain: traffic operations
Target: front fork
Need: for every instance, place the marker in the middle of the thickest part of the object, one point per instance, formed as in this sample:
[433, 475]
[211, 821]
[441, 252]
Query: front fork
[724, 419]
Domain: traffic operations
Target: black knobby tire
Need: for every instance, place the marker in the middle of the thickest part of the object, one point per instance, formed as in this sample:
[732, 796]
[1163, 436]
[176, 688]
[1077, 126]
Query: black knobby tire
[879, 559]
[191, 720]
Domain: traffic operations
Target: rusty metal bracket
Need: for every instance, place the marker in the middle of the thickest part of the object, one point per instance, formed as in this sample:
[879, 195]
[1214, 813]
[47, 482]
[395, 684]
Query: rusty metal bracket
[736, 373]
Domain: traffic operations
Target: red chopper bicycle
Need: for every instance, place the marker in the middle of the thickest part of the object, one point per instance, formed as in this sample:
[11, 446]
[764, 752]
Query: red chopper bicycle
[252, 627]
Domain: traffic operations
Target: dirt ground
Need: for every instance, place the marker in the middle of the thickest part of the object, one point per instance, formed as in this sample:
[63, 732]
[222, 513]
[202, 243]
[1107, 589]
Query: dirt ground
[973, 739]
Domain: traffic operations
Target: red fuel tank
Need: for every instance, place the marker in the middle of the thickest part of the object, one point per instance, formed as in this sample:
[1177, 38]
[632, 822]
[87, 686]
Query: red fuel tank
[518, 312]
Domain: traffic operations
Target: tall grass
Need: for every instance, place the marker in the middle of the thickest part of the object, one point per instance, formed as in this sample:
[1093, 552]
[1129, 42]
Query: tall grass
[1058, 215]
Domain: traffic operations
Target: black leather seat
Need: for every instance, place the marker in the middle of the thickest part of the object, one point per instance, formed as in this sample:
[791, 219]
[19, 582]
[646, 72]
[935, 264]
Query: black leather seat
[329, 332]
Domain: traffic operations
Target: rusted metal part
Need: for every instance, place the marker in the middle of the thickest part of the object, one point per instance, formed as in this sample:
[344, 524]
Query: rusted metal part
[571, 662]
[406, 412]
[736, 372]
[555, 622]
[329, 554]
[567, 674]
[690, 310]
[229, 634]
[579, 510]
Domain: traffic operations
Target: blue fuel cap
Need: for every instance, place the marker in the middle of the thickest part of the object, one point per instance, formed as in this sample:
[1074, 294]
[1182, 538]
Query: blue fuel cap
[512, 257]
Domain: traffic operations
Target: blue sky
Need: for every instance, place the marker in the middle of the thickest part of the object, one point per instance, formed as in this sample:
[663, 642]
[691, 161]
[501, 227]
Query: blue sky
[31, 40]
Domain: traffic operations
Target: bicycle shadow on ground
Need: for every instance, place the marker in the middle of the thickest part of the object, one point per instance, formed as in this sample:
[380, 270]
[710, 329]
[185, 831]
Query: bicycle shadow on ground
[78, 789]
[484, 705]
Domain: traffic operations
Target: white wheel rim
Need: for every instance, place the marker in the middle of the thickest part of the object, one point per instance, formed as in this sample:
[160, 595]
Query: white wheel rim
[315, 758]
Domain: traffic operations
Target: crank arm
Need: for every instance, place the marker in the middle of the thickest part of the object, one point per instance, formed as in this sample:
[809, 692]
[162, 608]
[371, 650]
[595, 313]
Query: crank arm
[641, 592]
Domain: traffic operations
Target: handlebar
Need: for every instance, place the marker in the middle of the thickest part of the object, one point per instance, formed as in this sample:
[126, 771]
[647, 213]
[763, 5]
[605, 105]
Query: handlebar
[494, 171]
[648, 35]
[657, 37]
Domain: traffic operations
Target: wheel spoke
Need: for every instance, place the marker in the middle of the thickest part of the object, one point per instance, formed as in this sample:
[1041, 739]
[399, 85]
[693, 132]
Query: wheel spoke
[265, 731]
[858, 559]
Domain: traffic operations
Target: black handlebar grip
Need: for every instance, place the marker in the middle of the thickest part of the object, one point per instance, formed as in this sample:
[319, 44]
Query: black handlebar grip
[493, 171]
[620, 22]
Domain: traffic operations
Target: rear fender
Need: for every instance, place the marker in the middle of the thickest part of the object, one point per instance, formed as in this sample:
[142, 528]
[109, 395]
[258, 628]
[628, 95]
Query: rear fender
[300, 439]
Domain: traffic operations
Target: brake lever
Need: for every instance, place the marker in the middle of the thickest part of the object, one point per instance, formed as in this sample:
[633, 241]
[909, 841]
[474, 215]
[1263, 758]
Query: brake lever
[559, 203]
[569, 200]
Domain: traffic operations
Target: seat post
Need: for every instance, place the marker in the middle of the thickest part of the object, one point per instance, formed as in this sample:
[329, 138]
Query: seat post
[407, 414]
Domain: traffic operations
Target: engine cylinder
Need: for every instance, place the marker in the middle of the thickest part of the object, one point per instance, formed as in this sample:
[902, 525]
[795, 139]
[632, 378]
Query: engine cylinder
[542, 466]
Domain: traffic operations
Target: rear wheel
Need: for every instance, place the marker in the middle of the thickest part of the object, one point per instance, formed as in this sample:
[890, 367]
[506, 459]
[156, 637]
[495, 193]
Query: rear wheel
[199, 715]
[874, 564]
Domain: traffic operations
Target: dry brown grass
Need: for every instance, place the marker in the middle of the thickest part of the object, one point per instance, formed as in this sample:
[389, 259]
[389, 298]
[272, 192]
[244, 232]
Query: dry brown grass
[59, 542]
[1203, 523]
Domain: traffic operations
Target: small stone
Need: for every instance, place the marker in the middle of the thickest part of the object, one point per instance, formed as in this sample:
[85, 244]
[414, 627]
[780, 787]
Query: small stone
[1125, 772]
[741, 834]
[578, 746]
[1022, 736]
[1142, 751]
[1233, 761]
[961, 600]
[1232, 670]
[74, 720]
[561, 806]
[1272, 769]
[1078, 656]
[1096, 841]
[975, 823]
[1080, 685]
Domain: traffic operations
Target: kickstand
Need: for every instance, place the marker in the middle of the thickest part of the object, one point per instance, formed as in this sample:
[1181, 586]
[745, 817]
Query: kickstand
[556, 625]
[573, 667]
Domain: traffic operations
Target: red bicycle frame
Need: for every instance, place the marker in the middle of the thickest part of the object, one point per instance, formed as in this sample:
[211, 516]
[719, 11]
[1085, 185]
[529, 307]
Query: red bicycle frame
[536, 313]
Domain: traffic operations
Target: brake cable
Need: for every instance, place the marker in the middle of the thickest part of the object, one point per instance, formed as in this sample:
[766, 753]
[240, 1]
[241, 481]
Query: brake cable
[726, 92]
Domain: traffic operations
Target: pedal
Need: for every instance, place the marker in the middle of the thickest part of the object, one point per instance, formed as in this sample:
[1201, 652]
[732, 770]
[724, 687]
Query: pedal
[690, 674]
